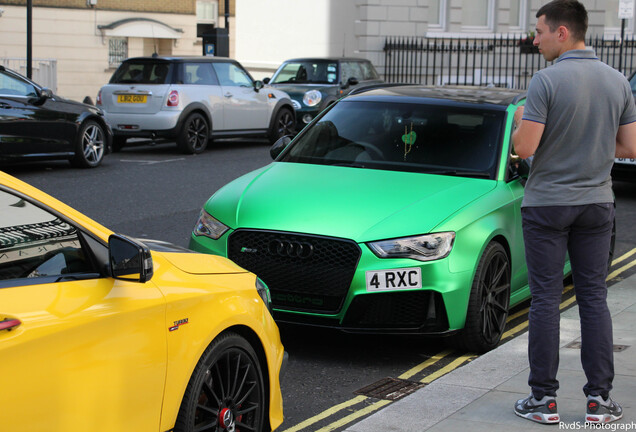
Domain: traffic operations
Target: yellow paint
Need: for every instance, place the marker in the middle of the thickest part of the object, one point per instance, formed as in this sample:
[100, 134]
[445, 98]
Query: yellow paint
[97, 355]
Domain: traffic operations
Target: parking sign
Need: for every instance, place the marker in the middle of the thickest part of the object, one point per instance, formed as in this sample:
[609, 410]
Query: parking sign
[626, 9]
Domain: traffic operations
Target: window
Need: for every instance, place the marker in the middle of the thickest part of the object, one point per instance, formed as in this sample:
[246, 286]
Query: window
[518, 14]
[368, 71]
[142, 72]
[478, 14]
[230, 75]
[350, 70]
[314, 72]
[35, 244]
[437, 14]
[207, 11]
[199, 73]
[117, 51]
[13, 86]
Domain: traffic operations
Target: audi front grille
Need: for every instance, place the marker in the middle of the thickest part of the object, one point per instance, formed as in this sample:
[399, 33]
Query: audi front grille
[303, 272]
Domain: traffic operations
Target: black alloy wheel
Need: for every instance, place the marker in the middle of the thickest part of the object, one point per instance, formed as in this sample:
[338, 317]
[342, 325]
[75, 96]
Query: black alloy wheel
[194, 134]
[283, 125]
[488, 304]
[90, 145]
[226, 392]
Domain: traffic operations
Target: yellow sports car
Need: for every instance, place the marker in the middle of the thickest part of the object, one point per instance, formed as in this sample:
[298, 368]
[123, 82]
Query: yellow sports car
[100, 332]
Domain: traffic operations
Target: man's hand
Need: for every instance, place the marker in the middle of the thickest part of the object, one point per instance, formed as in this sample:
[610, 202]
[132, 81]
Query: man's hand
[527, 137]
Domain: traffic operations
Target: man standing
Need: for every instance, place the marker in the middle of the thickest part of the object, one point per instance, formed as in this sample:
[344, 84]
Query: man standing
[579, 115]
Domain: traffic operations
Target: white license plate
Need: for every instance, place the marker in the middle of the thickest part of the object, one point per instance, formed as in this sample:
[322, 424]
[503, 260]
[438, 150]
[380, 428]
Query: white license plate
[394, 279]
[625, 161]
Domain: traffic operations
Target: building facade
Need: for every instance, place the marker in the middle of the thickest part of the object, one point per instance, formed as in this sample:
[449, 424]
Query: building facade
[86, 40]
[360, 27]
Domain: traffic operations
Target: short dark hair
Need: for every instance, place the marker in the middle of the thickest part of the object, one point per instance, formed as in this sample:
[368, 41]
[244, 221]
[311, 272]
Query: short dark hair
[568, 13]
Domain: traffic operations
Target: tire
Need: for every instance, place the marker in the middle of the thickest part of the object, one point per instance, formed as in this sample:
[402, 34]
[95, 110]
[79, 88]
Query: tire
[118, 143]
[194, 134]
[488, 304]
[283, 124]
[90, 145]
[226, 390]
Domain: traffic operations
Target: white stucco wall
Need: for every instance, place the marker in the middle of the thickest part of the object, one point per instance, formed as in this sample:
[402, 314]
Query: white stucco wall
[267, 33]
[71, 37]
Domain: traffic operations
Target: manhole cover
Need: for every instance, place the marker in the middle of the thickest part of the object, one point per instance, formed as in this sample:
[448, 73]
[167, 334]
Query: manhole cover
[577, 345]
[390, 389]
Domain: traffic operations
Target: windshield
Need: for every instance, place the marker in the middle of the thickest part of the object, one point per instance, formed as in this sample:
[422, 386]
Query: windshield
[142, 73]
[307, 72]
[410, 137]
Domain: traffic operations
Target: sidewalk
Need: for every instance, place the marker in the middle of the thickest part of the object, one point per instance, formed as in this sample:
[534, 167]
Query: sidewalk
[480, 395]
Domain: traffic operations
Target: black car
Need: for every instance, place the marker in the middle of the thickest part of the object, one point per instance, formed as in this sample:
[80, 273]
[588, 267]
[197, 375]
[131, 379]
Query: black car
[315, 83]
[35, 124]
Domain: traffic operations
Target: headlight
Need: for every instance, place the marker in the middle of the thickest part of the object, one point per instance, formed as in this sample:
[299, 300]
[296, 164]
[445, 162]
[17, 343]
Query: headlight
[209, 227]
[263, 292]
[312, 98]
[422, 248]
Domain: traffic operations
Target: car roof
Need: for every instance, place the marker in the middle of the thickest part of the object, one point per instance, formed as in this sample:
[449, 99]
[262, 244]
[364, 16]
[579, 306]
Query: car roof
[460, 94]
[205, 59]
[299, 59]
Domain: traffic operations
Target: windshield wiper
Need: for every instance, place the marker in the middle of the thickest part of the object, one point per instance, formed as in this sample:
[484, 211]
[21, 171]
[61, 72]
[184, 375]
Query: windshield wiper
[477, 174]
[349, 164]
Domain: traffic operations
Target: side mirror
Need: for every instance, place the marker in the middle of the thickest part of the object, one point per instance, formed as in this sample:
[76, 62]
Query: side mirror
[46, 93]
[350, 82]
[278, 147]
[258, 85]
[266, 80]
[129, 260]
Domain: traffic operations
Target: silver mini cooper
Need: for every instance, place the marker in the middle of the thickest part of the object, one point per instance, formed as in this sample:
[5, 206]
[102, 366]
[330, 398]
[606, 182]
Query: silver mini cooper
[191, 100]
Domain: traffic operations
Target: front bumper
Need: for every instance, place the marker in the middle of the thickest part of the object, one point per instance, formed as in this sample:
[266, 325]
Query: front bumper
[438, 308]
[624, 170]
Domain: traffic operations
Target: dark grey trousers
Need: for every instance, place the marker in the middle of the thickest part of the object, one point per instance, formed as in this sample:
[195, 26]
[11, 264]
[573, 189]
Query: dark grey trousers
[585, 232]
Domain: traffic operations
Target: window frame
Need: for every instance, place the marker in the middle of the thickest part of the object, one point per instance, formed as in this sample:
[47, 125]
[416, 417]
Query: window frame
[440, 25]
[84, 237]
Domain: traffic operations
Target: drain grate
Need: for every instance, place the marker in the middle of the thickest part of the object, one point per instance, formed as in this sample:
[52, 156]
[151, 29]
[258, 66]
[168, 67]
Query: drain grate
[577, 345]
[390, 389]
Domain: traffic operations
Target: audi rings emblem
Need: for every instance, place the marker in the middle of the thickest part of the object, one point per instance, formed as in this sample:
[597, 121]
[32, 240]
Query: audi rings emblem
[292, 249]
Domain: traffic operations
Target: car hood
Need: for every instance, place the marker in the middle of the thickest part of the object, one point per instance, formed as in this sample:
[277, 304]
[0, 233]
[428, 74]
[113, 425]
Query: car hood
[297, 91]
[355, 203]
[192, 262]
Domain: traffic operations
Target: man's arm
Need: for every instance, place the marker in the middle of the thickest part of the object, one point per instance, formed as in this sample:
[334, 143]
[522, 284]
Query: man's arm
[626, 141]
[526, 138]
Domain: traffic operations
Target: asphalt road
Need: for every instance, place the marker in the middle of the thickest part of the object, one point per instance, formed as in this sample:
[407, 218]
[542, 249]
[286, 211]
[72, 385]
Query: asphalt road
[156, 192]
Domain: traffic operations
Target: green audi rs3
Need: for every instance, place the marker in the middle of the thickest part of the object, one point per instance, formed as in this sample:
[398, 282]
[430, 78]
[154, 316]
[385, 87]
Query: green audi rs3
[397, 210]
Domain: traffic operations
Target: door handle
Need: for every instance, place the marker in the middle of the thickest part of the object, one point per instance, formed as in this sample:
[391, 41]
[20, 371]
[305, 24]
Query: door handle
[228, 95]
[5, 105]
[9, 324]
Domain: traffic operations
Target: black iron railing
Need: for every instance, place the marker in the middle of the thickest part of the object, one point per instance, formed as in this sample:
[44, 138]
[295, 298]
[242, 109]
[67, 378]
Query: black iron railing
[502, 61]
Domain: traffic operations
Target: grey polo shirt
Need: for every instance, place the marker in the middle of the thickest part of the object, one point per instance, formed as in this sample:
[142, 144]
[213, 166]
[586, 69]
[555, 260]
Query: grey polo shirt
[582, 101]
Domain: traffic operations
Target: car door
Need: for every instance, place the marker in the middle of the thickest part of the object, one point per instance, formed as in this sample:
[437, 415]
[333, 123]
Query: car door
[244, 108]
[201, 85]
[29, 122]
[79, 351]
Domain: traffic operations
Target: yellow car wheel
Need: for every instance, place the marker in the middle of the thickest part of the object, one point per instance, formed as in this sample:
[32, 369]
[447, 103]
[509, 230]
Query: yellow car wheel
[226, 391]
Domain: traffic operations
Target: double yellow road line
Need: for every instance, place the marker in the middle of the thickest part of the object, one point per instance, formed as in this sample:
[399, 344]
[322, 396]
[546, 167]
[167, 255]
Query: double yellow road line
[454, 364]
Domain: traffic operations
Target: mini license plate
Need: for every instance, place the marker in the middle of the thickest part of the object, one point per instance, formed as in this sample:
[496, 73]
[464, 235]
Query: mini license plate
[625, 161]
[128, 98]
[395, 279]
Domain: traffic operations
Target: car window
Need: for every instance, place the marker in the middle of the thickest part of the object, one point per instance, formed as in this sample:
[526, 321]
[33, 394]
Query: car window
[13, 86]
[142, 72]
[350, 69]
[403, 137]
[230, 74]
[199, 73]
[307, 72]
[37, 244]
[368, 71]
